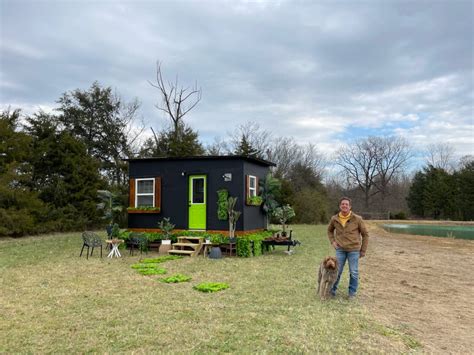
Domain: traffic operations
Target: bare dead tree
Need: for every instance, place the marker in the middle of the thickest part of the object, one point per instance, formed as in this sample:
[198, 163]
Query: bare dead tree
[440, 155]
[359, 162]
[393, 156]
[176, 100]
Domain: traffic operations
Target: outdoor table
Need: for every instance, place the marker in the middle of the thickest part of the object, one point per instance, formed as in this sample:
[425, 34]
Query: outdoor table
[207, 247]
[114, 243]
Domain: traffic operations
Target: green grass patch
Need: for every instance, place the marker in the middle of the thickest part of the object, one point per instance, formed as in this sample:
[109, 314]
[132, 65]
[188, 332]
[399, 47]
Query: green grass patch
[143, 266]
[211, 286]
[152, 271]
[161, 259]
[176, 278]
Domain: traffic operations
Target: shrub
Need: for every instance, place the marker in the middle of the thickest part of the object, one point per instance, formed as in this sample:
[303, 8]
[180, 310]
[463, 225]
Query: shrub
[211, 286]
[398, 215]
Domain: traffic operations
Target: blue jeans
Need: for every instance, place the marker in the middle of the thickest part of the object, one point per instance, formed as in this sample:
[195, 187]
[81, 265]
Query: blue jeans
[352, 258]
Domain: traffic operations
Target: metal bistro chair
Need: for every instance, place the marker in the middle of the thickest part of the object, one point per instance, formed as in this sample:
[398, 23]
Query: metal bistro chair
[91, 240]
[139, 241]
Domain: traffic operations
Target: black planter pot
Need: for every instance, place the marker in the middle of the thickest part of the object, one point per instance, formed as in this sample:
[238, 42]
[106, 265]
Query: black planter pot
[215, 253]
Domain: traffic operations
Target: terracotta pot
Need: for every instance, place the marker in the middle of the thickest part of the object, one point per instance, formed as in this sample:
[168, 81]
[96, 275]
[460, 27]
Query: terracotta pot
[164, 247]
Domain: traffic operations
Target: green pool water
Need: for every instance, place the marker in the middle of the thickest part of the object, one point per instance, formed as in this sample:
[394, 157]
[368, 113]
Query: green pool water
[463, 232]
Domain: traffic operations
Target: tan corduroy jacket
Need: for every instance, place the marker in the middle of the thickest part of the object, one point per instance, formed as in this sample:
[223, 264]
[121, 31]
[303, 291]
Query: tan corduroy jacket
[349, 236]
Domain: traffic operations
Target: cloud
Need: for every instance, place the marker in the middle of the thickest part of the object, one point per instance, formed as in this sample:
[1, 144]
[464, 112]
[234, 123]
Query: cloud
[321, 72]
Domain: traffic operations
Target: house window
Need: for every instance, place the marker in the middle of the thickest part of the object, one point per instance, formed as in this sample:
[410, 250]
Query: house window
[252, 186]
[145, 193]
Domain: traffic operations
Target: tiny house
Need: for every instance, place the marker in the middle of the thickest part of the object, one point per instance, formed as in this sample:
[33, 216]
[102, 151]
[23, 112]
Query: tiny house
[185, 189]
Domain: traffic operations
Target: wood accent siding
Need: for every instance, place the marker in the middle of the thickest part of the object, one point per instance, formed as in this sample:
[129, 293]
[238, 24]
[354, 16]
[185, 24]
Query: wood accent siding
[132, 193]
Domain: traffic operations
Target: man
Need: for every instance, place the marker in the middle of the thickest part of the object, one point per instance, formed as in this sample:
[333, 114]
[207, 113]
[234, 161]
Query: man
[348, 243]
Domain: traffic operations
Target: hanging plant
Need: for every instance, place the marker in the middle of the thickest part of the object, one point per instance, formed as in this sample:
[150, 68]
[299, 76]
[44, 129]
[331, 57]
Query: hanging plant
[222, 196]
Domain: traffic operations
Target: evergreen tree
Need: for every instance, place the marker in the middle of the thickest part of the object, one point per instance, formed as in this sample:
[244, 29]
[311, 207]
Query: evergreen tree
[21, 211]
[169, 144]
[64, 175]
[465, 191]
[245, 149]
[100, 120]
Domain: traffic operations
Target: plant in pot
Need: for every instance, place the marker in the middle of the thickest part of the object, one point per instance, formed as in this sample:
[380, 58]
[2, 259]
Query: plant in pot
[166, 228]
[110, 204]
[283, 214]
[233, 217]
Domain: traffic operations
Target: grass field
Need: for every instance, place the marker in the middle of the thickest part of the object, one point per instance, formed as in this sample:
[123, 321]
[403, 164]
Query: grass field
[54, 301]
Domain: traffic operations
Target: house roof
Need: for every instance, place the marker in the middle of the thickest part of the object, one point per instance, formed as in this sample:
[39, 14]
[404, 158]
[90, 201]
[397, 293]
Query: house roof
[208, 157]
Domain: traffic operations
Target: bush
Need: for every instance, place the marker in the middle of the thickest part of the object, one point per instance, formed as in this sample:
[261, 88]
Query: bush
[398, 215]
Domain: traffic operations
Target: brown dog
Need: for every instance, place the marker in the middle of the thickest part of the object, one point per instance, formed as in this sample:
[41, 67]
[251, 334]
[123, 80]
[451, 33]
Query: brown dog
[327, 276]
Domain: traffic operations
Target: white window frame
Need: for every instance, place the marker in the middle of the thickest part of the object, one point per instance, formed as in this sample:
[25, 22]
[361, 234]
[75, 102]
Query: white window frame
[192, 190]
[144, 194]
[252, 190]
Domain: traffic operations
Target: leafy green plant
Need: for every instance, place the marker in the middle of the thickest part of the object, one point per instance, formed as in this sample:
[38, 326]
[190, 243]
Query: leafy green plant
[222, 196]
[166, 227]
[143, 266]
[152, 271]
[115, 234]
[211, 286]
[254, 200]
[144, 208]
[269, 190]
[176, 278]
[161, 259]
[283, 214]
[110, 204]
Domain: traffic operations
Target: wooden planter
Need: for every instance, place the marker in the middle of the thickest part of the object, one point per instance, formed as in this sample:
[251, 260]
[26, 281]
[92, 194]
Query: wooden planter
[142, 211]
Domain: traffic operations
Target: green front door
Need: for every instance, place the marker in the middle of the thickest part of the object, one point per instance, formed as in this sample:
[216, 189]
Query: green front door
[197, 202]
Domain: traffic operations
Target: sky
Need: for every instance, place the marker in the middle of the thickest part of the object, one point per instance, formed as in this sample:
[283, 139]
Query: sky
[325, 72]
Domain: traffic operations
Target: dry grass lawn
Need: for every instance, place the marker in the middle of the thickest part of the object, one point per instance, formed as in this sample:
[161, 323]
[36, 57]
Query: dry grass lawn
[53, 301]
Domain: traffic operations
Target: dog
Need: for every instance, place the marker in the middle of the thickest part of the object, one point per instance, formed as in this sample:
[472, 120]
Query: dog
[327, 276]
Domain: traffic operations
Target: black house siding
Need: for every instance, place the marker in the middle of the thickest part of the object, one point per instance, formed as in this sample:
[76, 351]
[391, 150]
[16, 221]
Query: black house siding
[174, 190]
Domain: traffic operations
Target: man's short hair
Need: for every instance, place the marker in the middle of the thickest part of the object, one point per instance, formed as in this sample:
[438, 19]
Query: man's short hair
[345, 198]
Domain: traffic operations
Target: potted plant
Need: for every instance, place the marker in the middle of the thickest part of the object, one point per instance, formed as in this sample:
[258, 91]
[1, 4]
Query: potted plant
[109, 205]
[233, 217]
[283, 214]
[166, 228]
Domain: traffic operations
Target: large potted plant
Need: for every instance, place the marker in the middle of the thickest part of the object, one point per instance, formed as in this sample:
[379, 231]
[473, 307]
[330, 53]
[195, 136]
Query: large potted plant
[166, 228]
[284, 214]
[110, 205]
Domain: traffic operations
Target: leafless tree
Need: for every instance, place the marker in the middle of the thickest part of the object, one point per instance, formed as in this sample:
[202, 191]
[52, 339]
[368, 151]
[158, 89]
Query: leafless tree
[440, 155]
[286, 153]
[260, 139]
[393, 156]
[176, 100]
[218, 147]
[359, 162]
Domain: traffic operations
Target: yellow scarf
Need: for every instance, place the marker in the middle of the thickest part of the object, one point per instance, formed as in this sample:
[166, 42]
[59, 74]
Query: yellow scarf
[344, 219]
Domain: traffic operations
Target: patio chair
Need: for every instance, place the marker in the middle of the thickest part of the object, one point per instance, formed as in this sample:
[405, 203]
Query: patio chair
[91, 240]
[139, 241]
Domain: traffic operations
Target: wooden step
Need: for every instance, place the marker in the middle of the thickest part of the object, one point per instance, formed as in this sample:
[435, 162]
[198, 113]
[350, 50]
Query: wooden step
[185, 252]
[192, 245]
[197, 239]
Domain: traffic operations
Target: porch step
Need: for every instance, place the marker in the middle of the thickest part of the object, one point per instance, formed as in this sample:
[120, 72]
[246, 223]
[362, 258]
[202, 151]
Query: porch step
[187, 246]
[184, 252]
[191, 245]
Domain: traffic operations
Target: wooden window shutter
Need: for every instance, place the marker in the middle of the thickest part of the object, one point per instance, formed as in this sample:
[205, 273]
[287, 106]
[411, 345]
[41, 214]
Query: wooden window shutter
[247, 187]
[158, 192]
[132, 193]
[256, 186]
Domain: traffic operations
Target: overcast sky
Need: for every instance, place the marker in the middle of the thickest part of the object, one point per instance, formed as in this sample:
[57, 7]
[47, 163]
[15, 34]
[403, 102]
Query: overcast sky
[321, 71]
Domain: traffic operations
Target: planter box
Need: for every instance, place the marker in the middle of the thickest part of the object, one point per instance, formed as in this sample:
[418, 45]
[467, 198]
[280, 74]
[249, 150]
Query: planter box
[142, 211]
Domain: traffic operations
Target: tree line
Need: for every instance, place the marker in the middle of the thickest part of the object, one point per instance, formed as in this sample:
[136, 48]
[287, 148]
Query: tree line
[53, 164]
